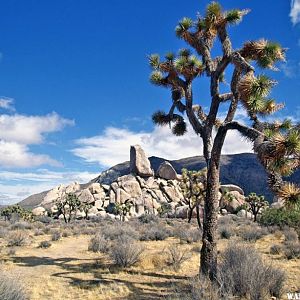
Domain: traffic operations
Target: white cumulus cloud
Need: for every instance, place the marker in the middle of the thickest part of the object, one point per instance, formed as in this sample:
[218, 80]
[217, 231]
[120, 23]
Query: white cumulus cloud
[7, 103]
[18, 132]
[112, 146]
[295, 11]
[30, 129]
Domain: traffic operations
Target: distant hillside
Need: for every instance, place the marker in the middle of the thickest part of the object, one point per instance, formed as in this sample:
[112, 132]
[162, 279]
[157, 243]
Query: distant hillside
[33, 200]
[242, 169]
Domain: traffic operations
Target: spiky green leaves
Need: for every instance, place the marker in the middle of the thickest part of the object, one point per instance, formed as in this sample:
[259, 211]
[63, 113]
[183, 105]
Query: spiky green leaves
[163, 119]
[157, 78]
[234, 16]
[213, 12]
[271, 54]
[154, 61]
[290, 194]
[188, 65]
[184, 25]
[179, 128]
[253, 93]
[264, 52]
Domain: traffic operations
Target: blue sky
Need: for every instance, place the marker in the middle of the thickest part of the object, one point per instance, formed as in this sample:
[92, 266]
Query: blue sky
[74, 88]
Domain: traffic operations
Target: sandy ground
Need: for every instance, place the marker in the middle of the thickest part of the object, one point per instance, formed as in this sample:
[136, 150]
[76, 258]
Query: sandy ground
[67, 270]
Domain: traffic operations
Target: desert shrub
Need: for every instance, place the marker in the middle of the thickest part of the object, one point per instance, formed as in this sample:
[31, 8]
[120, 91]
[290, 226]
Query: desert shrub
[148, 218]
[176, 257]
[98, 243]
[154, 232]
[55, 235]
[226, 232]
[44, 219]
[3, 232]
[290, 235]
[251, 233]
[46, 230]
[11, 288]
[292, 250]
[126, 252]
[243, 273]
[199, 288]
[87, 230]
[66, 233]
[11, 251]
[17, 238]
[273, 229]
[115, 230]
[187, 234]
[22, 225]
[38, 232]
[45, 244]
[225, 220]
[280, 217]
[275, 249]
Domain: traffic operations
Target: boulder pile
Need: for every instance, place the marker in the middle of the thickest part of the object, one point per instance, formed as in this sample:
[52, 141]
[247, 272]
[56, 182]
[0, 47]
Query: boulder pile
[146, 192]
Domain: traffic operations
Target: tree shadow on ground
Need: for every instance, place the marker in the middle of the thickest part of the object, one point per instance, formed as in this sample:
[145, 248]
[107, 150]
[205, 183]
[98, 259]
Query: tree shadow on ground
[141, 285]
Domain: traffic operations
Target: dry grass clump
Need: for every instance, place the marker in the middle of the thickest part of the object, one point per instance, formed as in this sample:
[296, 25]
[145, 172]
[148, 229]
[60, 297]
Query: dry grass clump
[126, 252]
[11, 288]
[275, 249]
[3, 232]
[244, 274]
[176, 257]
[226, 231]
[17, 238]
[290, 235]
[55, 235]
[154, 232]
[187, 234]
[252, 233]
[114, 230]
[21, 225]
[292, 250]
[99, 243]
[45, 244]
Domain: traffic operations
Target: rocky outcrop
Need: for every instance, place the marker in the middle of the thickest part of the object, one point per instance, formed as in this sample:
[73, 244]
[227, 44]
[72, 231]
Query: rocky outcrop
[38, 211]
[166, 171]
[231, 188]
[139, 162]
[141, 190]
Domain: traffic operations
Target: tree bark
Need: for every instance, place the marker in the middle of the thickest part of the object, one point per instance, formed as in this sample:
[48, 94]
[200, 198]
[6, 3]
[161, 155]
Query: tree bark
[208, 259]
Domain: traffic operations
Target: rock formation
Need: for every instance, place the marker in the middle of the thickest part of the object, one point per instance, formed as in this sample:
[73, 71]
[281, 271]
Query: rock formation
[146, 192]
[139, 163]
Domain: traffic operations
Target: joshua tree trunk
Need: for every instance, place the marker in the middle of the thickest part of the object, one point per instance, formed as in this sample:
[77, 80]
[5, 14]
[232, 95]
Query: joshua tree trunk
[208, 257]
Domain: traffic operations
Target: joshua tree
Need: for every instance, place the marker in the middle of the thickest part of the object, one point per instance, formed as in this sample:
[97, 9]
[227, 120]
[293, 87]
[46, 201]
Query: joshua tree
[165, 208]
[85, 207]
[67, 206]
[193, 185]
[122, 209]
[8, 212]
[256, 204]
[277, 144]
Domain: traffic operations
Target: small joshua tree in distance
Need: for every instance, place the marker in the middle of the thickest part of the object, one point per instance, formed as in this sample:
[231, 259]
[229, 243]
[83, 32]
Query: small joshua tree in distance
[193, 185]
[68, 206]
[255, 204]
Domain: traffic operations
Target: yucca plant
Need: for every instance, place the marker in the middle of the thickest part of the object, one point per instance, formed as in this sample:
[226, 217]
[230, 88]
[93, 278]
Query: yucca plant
[276, 143]
[290, 195]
